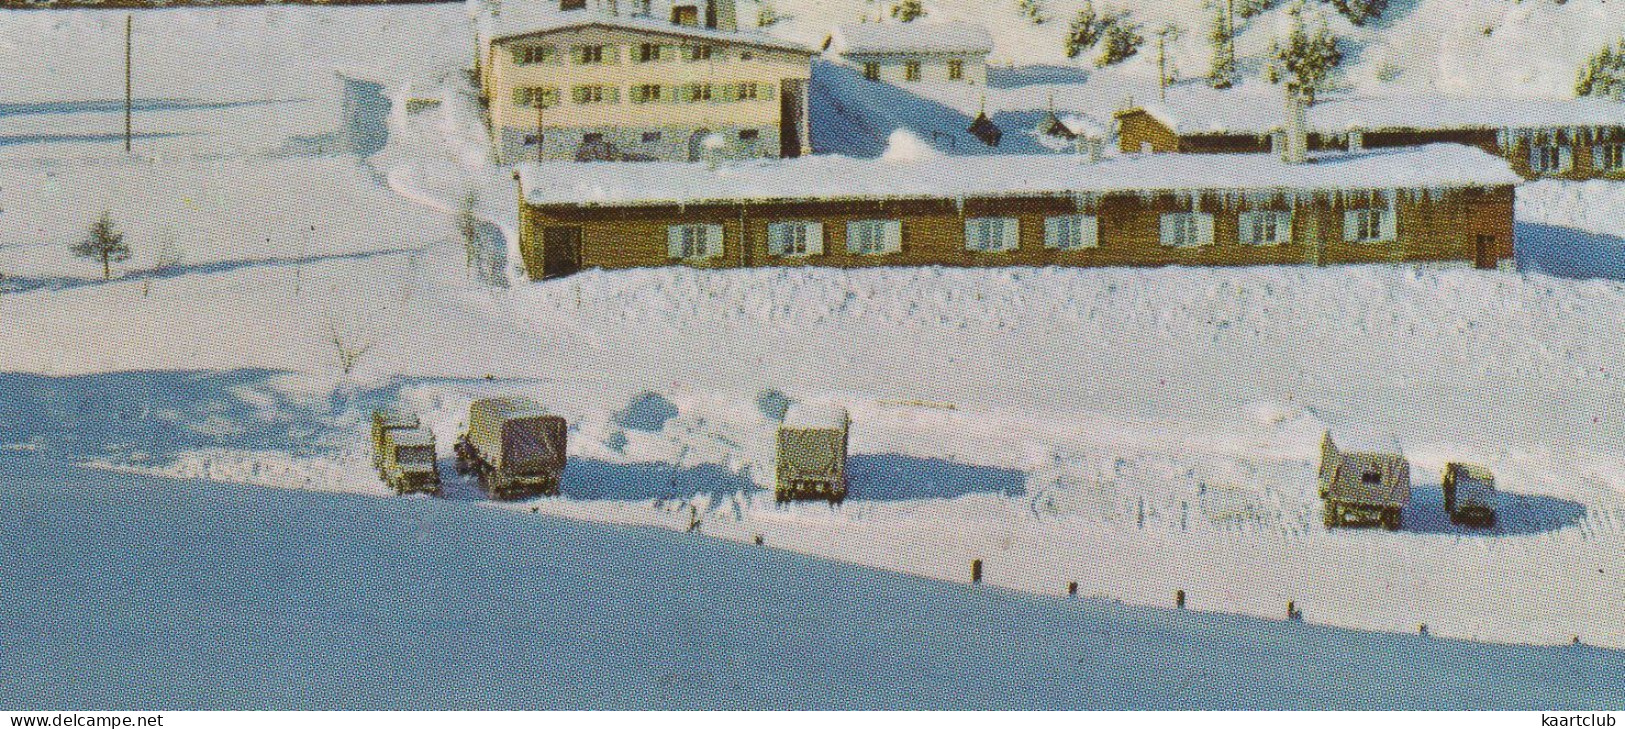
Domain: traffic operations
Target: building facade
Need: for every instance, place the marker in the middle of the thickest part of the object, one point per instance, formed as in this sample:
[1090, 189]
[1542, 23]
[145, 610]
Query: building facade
[1574, 139]
[917, 52]
[589, 84]
[1059, 217]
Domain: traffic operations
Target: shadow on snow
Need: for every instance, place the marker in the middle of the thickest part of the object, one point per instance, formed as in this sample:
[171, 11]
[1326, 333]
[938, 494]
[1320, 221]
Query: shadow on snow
[1515, 514]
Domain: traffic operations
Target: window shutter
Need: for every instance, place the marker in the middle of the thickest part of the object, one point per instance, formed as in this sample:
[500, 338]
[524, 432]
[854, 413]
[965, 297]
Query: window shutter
[1390, 224]
[1534, 158]
[518, 56]
[1204, 229]
[674, 241]
[972, 241]
[767, 92]
[612, 55]
[1248, 222]
[1565, 158]
[776, 233]
[815, 239]
[713, 241]
[1170, 229]
[1088, 231]
[853, 230]
[1012, 233]
[894, 236]
[1054, 228]
[521, 97]
[1351, 226]
[1599, 157]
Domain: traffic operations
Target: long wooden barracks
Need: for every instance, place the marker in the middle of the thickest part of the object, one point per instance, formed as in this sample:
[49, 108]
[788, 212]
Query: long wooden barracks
[1438, 203]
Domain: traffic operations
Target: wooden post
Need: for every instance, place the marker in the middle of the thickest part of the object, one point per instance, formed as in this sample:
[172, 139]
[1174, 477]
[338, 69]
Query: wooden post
[1071, 589]
[1291, 610]
[976, 572]
[1179, 599]
[129, 86]
[759, 540]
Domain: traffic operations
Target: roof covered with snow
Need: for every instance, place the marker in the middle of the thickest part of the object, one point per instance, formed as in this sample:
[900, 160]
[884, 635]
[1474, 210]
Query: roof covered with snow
[916, 37]
[519, 19]
[1214, 112]
[834, 178]
[807, 416]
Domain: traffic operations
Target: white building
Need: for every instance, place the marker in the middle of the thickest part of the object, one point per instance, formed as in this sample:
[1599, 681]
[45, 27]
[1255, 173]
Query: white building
[904, 53]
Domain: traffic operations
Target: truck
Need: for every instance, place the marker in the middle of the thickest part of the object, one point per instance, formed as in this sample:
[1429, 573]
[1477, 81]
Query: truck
[403, 453]
[1363, 488]
[811, 463]
[514, 446]
[1469, 494]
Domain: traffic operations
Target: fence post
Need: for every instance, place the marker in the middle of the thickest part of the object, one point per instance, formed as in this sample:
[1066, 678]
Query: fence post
[976, 572]
[1179, 599]
[1071, 589]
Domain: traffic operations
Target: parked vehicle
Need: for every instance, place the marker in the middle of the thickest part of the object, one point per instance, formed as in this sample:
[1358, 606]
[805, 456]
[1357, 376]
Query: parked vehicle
[515, 447]
[1363, 488]
[812, 445]
[404, 453]
[1469, 494]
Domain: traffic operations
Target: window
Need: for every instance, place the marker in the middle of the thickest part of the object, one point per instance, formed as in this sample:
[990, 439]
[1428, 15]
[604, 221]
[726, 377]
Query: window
[749, 135]
[748, 92]
[699, 53]
[956, 70]
[1187, 230]
[795, 239]
[871, 71]
[595, 95]
[594, 55]
[592, 138]
[652, 52]
[646, 94]
[573, 4]
[642, 8]
[686, 15]
[1266, 228]
[1373, 225]
[532, 55]
[746, 55]
[1608, 157]
[911, 71]
[868, 237]
[696, 93]
[532, 140]
[1071, 232]
[547, 96]
[651, 137]
[694, 242]
[992, 234]
[1551, 158]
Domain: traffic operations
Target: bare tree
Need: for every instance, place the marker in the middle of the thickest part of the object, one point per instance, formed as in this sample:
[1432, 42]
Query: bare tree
[348, 352]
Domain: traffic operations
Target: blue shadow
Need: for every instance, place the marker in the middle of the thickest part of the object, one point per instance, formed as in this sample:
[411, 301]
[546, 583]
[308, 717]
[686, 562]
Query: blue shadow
[891, 477]
[1514, 514]
[1569, 253]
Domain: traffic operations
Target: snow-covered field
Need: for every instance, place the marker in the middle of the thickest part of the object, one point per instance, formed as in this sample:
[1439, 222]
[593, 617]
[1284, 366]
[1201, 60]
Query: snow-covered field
[1136, 431]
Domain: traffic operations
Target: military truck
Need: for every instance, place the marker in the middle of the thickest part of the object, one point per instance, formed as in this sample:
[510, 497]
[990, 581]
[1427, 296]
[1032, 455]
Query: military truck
[1363, 488]
[1469, 494]
[384, 420]
[812, 445]
[515, 447]
[403, 453]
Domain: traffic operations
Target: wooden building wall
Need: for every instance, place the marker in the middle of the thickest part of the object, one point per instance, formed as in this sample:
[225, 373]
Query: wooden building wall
[933, 231]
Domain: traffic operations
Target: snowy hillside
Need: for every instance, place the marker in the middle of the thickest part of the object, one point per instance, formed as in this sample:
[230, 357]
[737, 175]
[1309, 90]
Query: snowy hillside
[1136, 431]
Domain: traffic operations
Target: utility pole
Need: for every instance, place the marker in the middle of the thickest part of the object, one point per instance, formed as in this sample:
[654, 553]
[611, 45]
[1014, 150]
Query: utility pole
[541, 107]
[129, 90]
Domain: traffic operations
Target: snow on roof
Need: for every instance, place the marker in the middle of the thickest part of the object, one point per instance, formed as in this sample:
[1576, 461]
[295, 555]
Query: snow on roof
[412, 437]
[916, 37]
[517, 19]
[1213, 112]
[815, 417]
[830, 177]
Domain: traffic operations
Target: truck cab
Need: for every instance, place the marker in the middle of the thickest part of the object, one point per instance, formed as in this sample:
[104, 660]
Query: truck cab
[811, 463]
[1469, 494]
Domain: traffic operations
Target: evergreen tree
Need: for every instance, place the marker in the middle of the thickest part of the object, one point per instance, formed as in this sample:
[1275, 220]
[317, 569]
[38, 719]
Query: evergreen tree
[104, 244]
[1360, 12]
[1122, 39]
[908, 11]
[1085, 31]
[766, 14]
[1222, 74]
[1249, 8]
[1305, 63]
[1604, 74]
[1033, 9]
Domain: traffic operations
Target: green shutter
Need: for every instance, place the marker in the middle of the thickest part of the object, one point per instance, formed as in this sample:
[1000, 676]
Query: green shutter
[674, 241]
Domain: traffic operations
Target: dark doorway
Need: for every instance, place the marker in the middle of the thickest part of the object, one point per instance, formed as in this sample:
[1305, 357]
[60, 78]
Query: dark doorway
[792, 100]
[561, 251]
[1484, 253]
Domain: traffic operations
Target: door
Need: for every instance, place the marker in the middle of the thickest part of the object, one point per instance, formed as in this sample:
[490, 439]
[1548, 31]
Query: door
[1484, 252]
[561, 251]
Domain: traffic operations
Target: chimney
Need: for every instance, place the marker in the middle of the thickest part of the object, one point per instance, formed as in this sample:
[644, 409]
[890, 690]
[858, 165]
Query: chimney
[1294, 147]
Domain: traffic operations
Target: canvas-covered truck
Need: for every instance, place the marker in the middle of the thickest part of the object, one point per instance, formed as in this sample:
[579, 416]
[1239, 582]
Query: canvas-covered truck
[1363, 488]
[514, 446]
[385, 420]
[812, 443]
[403, 452]
[1469, 494]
